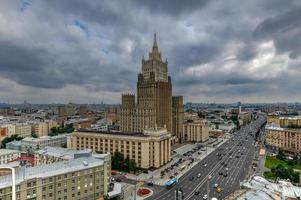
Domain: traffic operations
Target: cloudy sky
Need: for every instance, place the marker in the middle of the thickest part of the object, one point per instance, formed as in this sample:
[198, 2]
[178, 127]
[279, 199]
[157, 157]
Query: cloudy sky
[88, 51]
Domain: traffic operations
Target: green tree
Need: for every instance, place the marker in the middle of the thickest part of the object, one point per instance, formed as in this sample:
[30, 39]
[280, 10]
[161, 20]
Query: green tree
[34, 135]
[280, 155]
[10, 139]
[60, 130]
[117, 160]
[132, 165]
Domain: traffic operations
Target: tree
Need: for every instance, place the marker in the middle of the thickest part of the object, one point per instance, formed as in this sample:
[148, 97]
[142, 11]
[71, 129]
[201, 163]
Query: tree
[60, 130]
[10, 139]
[34, 135]
[132, 165]
[117, 160]
[280, 155]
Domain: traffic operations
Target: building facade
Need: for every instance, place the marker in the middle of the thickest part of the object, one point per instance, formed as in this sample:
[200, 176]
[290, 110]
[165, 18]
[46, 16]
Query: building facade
[177, 116]
[153, 107]
[244, 118]
[195, 131]
[84, 178]
[7, 155]
[288, 140]
[33, 144]
[43, 128]
[150, 149]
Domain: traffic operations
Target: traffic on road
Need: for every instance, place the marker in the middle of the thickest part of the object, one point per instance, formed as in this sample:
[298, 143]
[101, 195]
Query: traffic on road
[227, 166]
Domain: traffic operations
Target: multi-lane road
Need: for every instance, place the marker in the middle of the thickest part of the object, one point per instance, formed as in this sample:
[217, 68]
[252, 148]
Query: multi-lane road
[233, 158]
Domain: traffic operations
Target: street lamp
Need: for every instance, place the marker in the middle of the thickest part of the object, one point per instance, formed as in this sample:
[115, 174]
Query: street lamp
[13, 181]
[208, 186]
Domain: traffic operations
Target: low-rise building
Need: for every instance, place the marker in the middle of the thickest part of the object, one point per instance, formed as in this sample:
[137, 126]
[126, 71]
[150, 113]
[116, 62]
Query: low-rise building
[244, 118]
[152, 148]
[195, 131]
[30, 143]
[215, 133]
[288, 140]
[13, 145]
[21, 129]
[43, 128]
[81, 178]
[7, 155]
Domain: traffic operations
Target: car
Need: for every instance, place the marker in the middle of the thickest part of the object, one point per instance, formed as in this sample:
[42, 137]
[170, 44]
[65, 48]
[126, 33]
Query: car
[118, 179]
[199, 175]
[216, 185]
[220, 173]
[219, 189]
[227, 168]
[197, 193]
[205, 164]
[150, 184]
[230, 157]
[191, 178]
[205, 196]
[225, 174]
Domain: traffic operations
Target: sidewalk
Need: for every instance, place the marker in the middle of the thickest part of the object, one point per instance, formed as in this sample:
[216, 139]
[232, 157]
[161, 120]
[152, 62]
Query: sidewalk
[155, 177]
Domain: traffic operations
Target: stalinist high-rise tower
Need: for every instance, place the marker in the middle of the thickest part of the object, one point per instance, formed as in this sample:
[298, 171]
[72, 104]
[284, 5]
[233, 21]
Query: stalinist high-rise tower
[155, 105]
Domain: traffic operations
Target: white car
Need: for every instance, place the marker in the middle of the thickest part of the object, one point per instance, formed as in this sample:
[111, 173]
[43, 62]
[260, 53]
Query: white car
[205, 165]
[199, 175]
[215, 185]
[205, 196]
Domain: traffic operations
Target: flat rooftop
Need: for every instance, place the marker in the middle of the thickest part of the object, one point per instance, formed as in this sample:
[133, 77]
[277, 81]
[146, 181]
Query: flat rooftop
[7, 151]
[49, 170]
[64, 153]
[134, 134]
[44, 138]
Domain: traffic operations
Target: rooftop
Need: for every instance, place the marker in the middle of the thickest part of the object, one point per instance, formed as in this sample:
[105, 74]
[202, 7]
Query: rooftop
[134, 134]
[44, 138]
[259, 188]
[67, 153]
[7, 151]
[49, 170]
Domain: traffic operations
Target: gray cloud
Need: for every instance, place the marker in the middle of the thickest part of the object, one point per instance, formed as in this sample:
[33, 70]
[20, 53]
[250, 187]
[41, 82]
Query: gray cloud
[216, 49]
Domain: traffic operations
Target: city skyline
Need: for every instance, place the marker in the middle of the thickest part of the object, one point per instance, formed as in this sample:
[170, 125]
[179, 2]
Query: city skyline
[87, 52]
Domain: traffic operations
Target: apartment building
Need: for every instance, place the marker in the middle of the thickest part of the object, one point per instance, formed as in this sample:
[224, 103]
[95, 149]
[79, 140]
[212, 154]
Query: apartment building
[21, 129]
[84, 178]
[288, 140]
[284, 122]
[244, 118]
[152, 148]
[7, 155]
[195, 131]
[43, 128]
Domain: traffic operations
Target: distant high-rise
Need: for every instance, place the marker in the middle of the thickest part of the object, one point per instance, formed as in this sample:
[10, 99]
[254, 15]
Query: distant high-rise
[154, 105]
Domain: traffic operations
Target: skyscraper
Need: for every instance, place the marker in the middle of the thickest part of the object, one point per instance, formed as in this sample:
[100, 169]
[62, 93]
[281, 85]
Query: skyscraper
[153, 107]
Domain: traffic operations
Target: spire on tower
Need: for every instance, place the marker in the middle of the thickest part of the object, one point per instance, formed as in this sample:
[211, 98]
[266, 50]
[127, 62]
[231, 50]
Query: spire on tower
[155, 40]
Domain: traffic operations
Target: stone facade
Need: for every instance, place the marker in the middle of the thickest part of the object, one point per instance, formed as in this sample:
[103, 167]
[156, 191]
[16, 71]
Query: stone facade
[154, 106]
[288, 140]
[150, 149]
[195, 131]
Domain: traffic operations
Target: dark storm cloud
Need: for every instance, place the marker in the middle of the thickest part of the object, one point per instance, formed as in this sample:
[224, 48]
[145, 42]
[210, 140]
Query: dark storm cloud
[172, 7]
[284, 30]
[218, 48]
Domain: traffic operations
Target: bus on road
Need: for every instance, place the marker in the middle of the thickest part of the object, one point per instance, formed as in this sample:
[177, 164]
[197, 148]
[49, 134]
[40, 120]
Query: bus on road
[171, 182]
